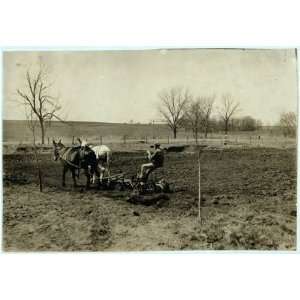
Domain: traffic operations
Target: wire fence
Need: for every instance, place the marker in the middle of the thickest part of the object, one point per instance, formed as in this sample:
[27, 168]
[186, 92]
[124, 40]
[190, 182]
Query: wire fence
[217, 140]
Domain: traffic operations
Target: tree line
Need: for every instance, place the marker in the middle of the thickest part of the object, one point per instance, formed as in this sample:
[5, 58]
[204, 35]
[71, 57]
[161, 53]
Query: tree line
[200, 114]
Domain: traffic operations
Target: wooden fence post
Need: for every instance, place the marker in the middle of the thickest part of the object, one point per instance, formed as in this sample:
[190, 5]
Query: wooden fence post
[101, 140]
[199, 187]
[73, 140]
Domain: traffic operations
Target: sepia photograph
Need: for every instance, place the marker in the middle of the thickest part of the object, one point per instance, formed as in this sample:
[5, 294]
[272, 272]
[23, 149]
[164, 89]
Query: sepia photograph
[150, 150]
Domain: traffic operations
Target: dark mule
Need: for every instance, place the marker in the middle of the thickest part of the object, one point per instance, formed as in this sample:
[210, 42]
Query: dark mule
[74, 159]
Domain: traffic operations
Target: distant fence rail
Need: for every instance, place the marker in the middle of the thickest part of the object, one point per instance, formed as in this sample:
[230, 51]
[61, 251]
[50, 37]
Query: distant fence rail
[253, 140]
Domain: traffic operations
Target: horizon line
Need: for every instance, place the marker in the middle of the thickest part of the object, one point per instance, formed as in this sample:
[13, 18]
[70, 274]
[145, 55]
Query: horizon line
[122, 123]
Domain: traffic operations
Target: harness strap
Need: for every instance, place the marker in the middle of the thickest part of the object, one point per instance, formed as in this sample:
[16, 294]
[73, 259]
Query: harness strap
[68, 162]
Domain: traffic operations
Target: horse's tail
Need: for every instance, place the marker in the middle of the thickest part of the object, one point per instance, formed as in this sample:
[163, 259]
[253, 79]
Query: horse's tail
[108, 161]
[93, 163]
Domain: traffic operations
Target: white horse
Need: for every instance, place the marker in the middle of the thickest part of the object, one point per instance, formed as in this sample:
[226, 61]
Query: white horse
[104, 157]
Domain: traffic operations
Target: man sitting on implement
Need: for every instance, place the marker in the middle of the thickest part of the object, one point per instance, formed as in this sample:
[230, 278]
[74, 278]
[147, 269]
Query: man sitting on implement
[156, 161]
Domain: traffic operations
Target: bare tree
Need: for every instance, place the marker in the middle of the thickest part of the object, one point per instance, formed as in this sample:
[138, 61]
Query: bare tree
[36, 97]
[207, 108]
[172, 107]
[288, 123]
[194, 117]
[198, 114]
[228, 108]
[32, 124]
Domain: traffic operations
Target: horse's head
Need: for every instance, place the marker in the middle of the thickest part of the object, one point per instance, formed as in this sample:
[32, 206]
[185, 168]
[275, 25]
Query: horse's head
[85, 149]
[86, 154]
[56, 149]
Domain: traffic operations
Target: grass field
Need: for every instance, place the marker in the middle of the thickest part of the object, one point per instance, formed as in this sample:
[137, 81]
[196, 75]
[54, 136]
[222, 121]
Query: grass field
[249, 202]
[17, 132]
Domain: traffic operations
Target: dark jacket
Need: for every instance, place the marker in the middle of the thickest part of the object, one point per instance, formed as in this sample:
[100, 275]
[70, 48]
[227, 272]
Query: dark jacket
[157, 158]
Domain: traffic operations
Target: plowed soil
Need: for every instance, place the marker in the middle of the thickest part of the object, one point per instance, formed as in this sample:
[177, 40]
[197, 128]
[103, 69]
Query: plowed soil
[248, 202]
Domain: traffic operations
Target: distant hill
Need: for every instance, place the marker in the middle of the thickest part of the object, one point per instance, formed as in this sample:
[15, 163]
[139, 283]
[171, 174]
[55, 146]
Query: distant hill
[17, 130]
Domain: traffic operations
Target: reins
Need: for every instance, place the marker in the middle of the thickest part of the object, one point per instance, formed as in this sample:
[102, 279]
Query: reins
[66, 160]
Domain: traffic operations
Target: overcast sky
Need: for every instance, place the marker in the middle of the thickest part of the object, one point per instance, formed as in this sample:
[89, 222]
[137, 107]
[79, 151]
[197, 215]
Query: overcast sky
[119, 86]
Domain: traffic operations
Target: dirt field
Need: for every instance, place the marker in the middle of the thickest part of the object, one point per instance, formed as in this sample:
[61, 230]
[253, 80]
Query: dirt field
[249, 202]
